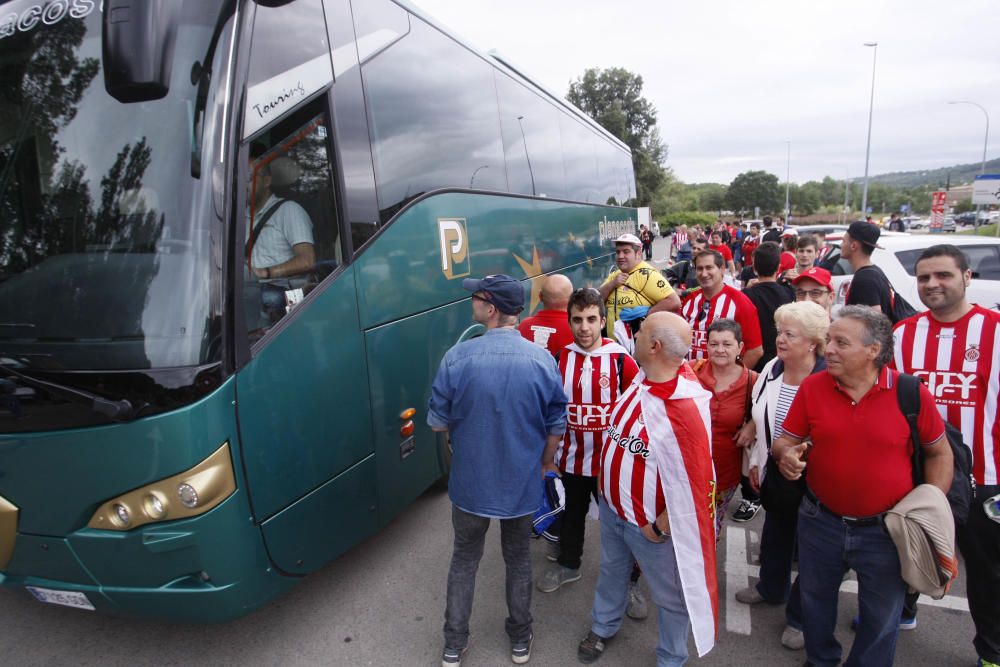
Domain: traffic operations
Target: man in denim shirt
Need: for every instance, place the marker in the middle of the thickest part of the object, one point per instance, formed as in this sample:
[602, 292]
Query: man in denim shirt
[502, 401]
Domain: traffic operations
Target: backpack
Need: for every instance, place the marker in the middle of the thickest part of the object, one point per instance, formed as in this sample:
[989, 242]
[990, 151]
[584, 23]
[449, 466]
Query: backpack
[899, 308]
[963, 485]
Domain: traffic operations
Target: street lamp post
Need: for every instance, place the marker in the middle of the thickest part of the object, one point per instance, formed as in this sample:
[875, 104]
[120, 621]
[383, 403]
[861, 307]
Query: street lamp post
[526, 156]
[868, 146]
[788, 175]
[986, 141]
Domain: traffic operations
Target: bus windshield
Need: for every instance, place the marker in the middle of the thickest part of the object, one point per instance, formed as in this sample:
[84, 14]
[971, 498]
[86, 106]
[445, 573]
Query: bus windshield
[110, 253]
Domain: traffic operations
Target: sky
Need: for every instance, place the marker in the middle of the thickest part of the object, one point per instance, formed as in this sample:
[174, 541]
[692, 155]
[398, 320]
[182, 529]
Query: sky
[735, 81]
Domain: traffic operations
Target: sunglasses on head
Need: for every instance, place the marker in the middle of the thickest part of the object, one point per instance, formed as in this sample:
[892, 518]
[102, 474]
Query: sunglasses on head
[703, 311]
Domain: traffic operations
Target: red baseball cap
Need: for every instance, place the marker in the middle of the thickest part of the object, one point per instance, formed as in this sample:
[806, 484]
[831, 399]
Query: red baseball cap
[822, 276]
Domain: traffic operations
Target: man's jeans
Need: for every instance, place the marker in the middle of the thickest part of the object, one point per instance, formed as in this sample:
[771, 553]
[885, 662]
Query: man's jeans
[777, 549]
[620, 542]
[828, 548]
[979, 541]
[470, 536]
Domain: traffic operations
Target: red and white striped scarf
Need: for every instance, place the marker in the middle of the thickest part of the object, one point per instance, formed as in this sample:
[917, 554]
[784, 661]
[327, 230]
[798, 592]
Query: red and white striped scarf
[687, 479]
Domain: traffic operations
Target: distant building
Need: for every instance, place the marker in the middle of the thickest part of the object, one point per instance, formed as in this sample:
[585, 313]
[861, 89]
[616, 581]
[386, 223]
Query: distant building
[959, 193]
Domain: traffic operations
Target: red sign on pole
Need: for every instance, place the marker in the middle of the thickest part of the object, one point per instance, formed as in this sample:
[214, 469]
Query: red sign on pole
[939, 201]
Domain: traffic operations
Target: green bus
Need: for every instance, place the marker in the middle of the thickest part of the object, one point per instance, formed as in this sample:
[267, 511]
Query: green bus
[232, 237]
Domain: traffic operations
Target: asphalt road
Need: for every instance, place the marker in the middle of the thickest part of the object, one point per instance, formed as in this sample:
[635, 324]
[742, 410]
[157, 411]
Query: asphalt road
[383, 603]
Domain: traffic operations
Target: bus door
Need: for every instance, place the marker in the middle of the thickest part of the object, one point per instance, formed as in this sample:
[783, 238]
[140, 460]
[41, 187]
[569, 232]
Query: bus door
[302, 395]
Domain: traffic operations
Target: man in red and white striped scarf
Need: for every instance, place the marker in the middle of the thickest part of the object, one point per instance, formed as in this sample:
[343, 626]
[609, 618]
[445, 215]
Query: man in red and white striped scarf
[657, 485]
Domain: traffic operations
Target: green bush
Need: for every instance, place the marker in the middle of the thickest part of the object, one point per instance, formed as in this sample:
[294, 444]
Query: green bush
[672, 220]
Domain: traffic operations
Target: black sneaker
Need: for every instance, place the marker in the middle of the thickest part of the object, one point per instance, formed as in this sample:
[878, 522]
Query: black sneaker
[591, 647]
[747, 510]
[520, 652]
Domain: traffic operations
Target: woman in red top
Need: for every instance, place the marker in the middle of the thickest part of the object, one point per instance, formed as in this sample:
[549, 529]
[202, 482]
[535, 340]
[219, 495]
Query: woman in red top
[730, 384]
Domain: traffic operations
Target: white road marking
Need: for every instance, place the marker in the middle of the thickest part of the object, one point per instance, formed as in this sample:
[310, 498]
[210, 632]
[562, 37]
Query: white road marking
[737, 613]
[947, 602]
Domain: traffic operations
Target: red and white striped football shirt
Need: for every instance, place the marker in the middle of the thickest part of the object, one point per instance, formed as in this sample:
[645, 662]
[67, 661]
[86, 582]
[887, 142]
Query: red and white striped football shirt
[958, 361]
[629, 480]
[728, 303]
[592, 384]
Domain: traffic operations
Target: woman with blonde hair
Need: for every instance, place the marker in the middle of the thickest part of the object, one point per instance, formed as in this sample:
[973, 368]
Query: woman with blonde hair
[802, 328]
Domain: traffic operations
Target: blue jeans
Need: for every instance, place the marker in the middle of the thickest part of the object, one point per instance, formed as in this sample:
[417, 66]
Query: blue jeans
[470, 537]
[622, 541]
[777, 549]
[827, 549]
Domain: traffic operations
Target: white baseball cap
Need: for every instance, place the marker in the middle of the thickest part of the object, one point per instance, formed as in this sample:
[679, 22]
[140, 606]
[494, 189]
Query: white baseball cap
[631, 239]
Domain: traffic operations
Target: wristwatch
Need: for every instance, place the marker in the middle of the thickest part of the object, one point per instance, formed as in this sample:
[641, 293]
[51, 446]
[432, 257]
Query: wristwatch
[656, 529]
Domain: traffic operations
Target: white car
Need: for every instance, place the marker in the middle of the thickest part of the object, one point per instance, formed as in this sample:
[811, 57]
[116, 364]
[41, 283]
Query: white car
[898, 257]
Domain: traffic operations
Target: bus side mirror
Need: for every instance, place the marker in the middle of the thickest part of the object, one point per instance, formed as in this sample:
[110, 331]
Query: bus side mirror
[138, 48]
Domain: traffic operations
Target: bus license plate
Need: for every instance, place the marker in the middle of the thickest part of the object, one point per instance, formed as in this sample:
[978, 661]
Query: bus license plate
[73, 599]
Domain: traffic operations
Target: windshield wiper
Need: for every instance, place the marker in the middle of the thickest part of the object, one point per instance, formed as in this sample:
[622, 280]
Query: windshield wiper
[119, 411]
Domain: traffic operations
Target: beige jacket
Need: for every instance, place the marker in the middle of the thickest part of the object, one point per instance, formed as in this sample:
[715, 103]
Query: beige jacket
[923, 529]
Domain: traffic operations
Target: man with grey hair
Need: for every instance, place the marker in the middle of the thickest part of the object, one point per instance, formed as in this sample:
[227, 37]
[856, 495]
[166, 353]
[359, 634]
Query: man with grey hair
[657, 486]
[846, 420]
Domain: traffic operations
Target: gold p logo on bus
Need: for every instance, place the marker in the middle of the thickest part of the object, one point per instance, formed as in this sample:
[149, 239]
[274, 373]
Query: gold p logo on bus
[454, 247]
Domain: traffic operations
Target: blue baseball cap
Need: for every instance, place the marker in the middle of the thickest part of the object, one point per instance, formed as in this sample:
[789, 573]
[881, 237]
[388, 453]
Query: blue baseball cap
[633, 313]
[503, 291]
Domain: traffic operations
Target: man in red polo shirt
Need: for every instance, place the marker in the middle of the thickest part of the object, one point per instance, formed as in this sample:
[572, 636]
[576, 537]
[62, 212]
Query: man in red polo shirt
[717, 300]
[954, 348]
[846, 420]
[549, 327]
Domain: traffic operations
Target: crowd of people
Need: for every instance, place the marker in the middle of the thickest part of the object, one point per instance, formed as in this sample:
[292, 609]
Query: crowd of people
[657, 405]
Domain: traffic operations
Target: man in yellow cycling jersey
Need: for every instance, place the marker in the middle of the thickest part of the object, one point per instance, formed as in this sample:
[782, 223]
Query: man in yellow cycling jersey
[635, 283]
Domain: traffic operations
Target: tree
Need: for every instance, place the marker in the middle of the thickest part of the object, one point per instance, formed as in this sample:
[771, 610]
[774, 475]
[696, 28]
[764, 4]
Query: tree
[807, 198]
[755, 188]
[613, 97]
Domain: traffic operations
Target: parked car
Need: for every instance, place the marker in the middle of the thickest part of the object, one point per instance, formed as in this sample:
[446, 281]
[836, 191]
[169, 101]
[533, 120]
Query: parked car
[898, 256]
[914, 222]
[967, 218]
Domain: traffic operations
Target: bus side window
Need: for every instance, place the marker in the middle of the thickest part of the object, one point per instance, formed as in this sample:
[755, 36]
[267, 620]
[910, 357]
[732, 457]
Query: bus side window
[292, 225]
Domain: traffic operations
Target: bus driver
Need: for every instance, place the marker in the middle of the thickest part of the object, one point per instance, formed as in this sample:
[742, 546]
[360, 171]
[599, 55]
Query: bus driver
[281, 247]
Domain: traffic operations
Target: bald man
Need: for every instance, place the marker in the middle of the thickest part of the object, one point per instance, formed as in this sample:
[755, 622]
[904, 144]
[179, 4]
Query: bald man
[657, 486]
[549, 327]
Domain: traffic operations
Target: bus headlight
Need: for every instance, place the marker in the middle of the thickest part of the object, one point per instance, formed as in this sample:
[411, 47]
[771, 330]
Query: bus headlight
[184, 495]
[122, 518]
[188, 495]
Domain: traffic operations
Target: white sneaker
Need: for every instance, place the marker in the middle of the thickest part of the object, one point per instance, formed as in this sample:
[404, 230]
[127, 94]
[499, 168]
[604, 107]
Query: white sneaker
[749, 595]
[555, 576]
[793, 639]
